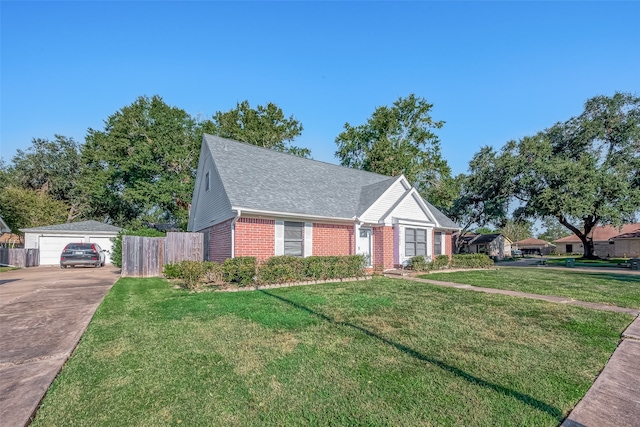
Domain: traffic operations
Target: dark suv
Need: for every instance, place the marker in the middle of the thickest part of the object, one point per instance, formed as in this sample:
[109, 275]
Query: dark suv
[82, 254]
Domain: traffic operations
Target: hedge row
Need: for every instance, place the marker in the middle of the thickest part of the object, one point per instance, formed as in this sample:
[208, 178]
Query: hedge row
[243, 271]
[420, 263]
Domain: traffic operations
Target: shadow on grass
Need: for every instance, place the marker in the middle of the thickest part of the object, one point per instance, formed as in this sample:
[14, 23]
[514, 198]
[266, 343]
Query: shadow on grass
[524, 398]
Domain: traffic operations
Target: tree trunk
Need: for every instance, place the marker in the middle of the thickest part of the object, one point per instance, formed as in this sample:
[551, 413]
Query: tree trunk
[585, 237]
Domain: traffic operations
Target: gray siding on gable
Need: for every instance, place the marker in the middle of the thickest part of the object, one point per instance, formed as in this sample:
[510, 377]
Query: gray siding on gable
[210, 206]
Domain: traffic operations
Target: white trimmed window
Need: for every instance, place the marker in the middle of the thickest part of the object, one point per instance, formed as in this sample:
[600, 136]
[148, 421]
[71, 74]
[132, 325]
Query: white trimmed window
[294, 238]
[415, 242]
[437, 243]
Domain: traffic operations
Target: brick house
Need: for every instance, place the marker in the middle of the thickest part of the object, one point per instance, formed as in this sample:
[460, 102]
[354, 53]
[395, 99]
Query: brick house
[252, 201]
[608, 242]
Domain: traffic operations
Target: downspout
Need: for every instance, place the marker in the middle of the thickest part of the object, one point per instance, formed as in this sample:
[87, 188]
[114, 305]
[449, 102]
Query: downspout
[233, 232]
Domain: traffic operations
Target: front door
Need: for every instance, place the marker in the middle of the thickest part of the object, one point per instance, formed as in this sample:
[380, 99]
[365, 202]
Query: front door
[364, 244]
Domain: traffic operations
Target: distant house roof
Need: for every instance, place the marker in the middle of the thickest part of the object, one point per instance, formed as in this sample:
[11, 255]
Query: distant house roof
[632, 235]
[533, 242]
[603, 233]
[74, 227]
[482, 239]
[256, 178]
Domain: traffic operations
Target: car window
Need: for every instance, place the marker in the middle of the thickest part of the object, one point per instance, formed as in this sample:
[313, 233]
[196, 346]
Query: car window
[78, 246]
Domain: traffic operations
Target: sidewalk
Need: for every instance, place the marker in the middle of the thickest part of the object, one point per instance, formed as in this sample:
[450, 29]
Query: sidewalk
[614, 398]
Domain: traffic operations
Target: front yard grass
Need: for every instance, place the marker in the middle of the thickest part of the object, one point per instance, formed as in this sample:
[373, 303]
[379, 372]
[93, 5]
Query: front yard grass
[622, 290]
[374, 353]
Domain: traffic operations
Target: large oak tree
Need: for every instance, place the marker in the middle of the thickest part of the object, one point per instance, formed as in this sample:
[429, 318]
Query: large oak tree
[400, 140]
[584, 172]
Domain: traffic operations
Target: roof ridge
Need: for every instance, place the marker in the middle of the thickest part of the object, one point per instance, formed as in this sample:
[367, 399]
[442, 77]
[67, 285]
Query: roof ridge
[298, 157]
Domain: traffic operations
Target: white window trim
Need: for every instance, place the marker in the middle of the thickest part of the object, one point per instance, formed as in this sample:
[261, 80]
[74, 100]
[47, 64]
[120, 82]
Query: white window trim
[307, 236]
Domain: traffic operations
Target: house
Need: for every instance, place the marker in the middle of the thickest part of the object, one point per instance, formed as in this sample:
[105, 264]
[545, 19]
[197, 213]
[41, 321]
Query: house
[627, 245]
[533, 246]
[252, 201]
[606, 243]
[495, 245]
[52, 239]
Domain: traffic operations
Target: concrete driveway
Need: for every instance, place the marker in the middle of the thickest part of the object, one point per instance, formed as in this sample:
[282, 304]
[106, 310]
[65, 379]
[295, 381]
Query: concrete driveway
[43, 313]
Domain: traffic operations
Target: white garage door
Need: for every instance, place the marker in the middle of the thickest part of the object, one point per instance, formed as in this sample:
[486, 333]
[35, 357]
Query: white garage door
[106, 244]
[51, 247]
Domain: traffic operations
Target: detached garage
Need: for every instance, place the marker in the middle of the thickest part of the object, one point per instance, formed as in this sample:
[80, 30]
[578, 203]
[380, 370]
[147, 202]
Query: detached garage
[52, 239]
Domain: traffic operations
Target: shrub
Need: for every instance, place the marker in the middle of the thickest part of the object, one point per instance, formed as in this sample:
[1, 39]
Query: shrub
[213, 272]
[116, 251]
[240, 270]
[471, 261]
[190, 272]
[419, 263]
[282, 269]
[441, 262]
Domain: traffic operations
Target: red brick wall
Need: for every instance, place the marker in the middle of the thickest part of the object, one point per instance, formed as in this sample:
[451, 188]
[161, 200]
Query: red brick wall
[383, 247]
[220, 241]
[255, 237]
[448, 242]
[332, 239]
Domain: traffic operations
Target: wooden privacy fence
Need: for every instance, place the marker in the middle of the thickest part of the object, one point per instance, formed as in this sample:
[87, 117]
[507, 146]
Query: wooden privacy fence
[19, 257]
[146, 256]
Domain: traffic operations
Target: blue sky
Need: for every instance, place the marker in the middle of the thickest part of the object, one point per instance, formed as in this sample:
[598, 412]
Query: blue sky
[494, 71]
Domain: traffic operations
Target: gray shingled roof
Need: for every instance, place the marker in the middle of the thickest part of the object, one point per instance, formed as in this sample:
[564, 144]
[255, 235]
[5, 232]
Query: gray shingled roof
[266, 180]
[90, 226]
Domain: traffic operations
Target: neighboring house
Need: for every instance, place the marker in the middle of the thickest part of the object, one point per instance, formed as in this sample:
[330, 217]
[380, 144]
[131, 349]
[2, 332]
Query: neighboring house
[533, 246]
[627, 245]
[495, 245]
[7, 239]
[52, 239]
[252, 201]
[605, 241]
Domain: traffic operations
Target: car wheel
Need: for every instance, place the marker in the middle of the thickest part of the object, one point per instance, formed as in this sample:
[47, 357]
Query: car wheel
[62, 266]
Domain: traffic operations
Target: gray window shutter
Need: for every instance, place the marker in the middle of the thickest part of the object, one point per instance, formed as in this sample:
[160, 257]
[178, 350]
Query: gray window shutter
[308, 239]
[279, 237]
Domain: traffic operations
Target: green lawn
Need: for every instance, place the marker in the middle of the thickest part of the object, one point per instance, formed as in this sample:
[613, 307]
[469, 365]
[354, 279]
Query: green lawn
[371, 353]
[3, 269]
[613, 262]
[622, 290]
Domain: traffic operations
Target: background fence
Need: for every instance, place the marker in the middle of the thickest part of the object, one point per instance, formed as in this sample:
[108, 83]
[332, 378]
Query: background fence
[146, 256]
[19, 257]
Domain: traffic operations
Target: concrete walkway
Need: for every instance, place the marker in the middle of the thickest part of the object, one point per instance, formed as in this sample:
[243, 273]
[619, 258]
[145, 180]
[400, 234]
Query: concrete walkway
[43, 313]
[614, 398]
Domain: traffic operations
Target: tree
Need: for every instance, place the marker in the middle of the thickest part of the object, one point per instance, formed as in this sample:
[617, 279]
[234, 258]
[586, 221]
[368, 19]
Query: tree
[142, 165]
[584, 172]
[553, 230]
[484, 230]
[400, 140]
[49, 167]
[26, 208]
[483, 193]
[516, 230]
[264, 126]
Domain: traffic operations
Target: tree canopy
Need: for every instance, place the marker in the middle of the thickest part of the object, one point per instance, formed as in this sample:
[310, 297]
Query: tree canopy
[25, 208]
[400, 140]
[49, 167]
[142, 165]
[264, 126]
[583, 172]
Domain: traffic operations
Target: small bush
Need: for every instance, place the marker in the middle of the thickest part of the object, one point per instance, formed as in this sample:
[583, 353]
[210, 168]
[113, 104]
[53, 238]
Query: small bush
[471, 261]
[282, 269]
[213, 272]
[419, 263]
[190, 272]
[240, 270]
[441, 262]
